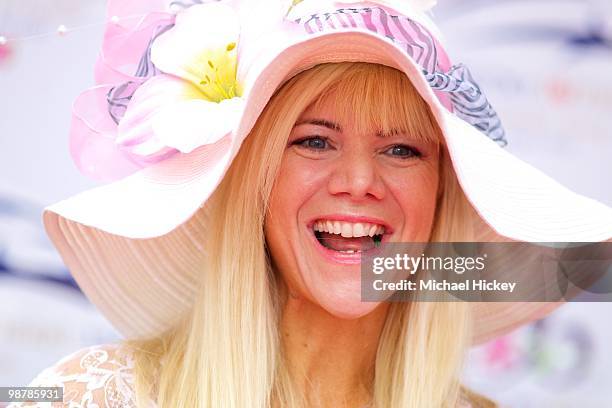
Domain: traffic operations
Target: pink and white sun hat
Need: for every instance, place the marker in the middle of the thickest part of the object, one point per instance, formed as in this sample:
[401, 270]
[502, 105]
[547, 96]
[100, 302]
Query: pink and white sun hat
[180, 86]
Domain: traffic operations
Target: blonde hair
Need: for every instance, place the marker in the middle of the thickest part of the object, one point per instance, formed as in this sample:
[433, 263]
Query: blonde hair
[227, 351]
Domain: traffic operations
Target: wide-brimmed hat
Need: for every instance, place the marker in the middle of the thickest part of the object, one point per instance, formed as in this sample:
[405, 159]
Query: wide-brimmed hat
[181, 85]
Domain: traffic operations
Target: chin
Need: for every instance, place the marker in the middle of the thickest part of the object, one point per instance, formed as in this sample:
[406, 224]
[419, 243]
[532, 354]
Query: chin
[345, 305]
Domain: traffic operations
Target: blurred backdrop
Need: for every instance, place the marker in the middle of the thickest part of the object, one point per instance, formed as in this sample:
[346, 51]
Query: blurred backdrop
[545, 66]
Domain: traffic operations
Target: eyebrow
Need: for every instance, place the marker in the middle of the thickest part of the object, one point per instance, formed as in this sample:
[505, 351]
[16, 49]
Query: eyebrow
[336, 127]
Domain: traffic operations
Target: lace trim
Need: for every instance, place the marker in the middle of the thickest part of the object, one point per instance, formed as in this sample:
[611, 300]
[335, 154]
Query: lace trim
[95, 377]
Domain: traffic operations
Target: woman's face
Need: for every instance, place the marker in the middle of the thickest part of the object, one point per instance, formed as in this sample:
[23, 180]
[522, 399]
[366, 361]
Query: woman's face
[336, 189]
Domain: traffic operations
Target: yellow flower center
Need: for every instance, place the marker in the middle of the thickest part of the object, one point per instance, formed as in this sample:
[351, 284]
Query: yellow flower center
[218, 72]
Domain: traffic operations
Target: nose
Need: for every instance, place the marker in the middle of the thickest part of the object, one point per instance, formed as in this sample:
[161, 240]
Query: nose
[357, 176]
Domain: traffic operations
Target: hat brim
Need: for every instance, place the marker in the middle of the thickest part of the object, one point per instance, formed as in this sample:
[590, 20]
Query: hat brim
[132, 245]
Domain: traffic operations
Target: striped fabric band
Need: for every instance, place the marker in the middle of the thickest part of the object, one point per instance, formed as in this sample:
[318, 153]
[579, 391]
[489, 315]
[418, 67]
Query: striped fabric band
[183, 4]
[468, 101]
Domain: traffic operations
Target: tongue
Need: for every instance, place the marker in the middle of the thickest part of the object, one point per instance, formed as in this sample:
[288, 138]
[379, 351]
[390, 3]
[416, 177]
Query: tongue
[340, 243]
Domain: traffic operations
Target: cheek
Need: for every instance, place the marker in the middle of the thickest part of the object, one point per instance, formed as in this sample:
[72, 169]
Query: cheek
[297, 182]
[416, 194]
[300, 175]
[295, 185]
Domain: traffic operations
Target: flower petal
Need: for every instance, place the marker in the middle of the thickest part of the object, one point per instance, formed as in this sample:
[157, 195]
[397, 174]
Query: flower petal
[123, 56]
[128, 13]
[135, 131]
[92, 137]
[201, 48]
[187, 125]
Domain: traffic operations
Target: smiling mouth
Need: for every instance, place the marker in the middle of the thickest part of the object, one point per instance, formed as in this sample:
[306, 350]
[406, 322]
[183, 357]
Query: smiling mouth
[348, 237]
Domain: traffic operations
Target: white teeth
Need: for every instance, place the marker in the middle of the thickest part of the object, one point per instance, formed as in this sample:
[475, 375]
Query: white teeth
[351, 251]
[349, 229]
[358, 230]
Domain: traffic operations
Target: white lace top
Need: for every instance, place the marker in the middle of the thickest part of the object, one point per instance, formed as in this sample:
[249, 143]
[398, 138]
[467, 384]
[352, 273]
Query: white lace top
[93, 377]
[100, 377]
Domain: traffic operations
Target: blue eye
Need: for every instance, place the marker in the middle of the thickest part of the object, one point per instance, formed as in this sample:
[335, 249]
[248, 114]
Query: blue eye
[403, 152]
[313, 143]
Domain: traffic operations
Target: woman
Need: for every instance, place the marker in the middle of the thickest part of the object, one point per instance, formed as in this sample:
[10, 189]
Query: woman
[254, 298]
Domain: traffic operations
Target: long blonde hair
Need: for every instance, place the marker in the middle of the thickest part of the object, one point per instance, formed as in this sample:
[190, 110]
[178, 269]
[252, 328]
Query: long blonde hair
[227, 352]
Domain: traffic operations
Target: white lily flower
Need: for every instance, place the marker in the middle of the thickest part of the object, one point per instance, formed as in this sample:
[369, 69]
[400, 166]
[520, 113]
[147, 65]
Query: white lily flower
[197, 99]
